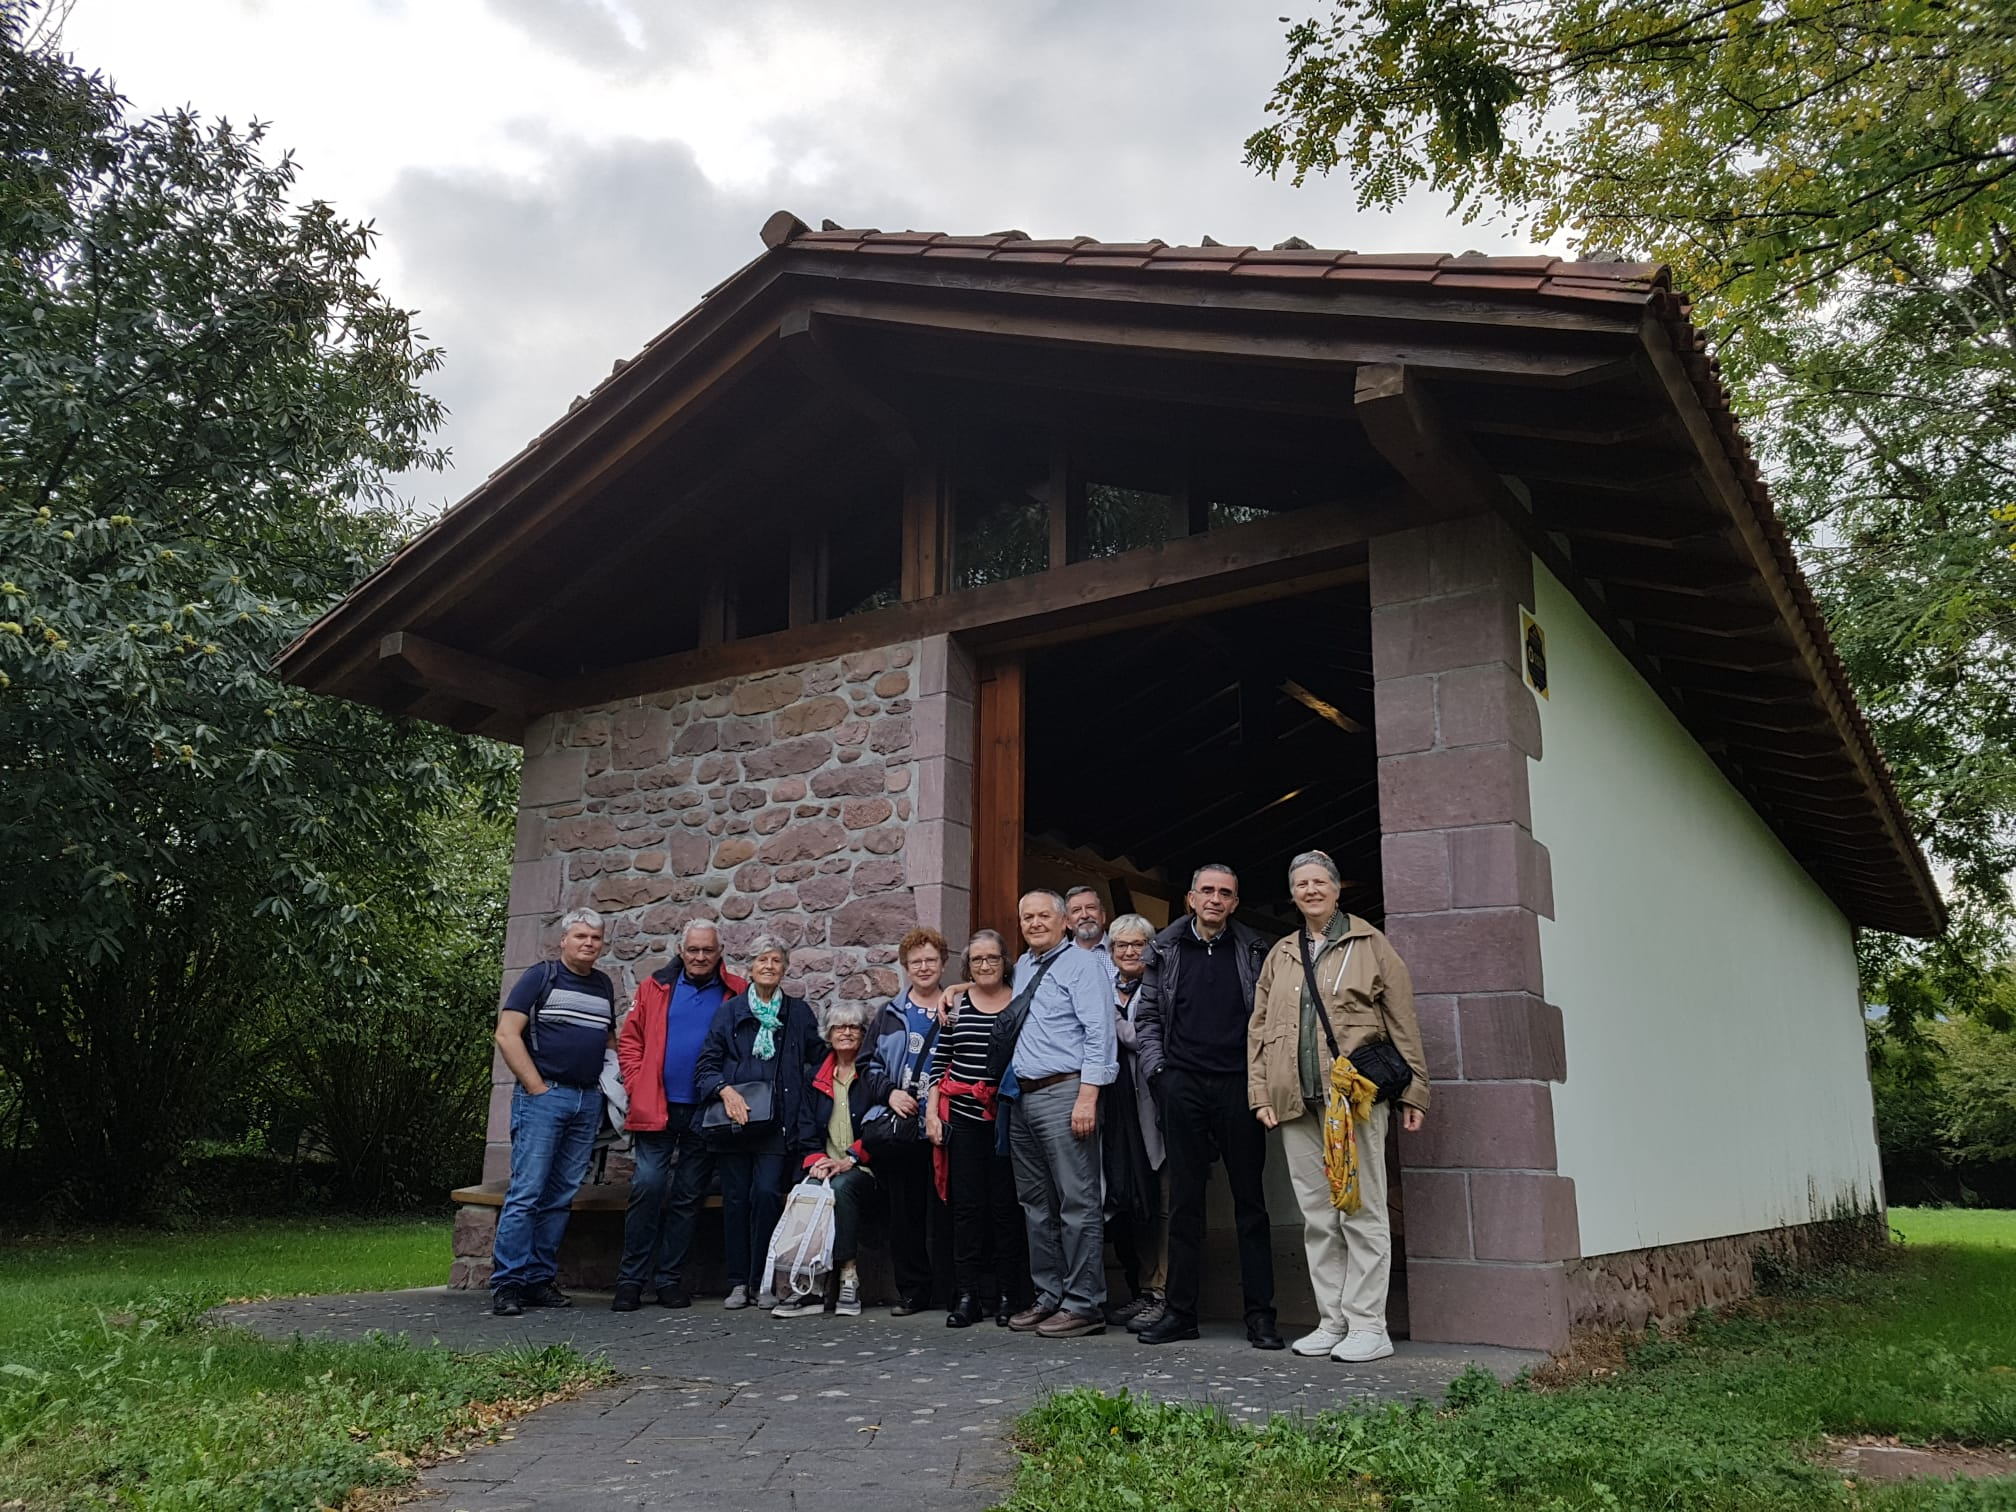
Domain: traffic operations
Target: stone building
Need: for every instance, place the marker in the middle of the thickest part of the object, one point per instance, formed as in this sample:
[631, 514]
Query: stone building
[908, 570]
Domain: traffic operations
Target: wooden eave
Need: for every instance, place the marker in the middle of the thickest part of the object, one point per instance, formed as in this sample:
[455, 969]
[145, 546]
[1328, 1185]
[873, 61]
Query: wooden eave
[1579, 404]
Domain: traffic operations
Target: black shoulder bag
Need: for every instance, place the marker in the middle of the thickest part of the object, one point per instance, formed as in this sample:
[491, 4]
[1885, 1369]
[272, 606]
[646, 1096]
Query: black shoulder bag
[1008, 1027]
[1378, 1061]
[892, 1130]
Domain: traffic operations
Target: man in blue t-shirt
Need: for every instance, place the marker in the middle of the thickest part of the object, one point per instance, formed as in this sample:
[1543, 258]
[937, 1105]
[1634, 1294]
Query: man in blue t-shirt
[555, 1026]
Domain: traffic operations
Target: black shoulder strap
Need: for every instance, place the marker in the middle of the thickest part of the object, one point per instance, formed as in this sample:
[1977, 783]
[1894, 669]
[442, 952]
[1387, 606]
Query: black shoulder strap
[1315, 991]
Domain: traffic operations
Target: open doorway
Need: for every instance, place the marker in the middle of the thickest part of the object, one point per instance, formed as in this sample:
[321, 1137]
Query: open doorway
[1125, 760]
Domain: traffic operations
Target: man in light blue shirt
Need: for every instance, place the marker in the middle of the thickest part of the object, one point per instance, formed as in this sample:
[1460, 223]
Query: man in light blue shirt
[1065, 1053]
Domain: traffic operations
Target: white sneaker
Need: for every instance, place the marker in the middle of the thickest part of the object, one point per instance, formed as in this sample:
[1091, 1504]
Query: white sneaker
[849, 1305]
[1361, 1345]
[766, 1299]
[738, 1297]
[803, 1305]
[1316, 1345]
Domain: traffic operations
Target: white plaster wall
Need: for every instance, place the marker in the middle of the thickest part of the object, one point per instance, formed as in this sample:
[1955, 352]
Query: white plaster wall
[1716, 1078]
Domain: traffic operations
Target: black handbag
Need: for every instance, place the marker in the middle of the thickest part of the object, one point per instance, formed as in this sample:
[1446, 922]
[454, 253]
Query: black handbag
[762, 1099]
[893, 1130]
[1378, 1061]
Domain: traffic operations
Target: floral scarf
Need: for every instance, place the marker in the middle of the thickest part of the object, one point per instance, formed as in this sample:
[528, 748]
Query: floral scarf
[768, 1016]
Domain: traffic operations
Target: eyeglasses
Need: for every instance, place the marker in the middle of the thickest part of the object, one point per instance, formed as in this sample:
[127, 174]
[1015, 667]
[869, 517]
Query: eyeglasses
[1130, 947]
[985, 960]
[1218, 892]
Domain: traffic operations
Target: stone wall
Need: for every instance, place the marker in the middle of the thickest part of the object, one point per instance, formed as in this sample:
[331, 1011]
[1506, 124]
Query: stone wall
[1668, 1283]
[827, 803]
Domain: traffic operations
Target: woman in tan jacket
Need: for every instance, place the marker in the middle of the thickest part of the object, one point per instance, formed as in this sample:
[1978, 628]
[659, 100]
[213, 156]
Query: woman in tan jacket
[1366, 996]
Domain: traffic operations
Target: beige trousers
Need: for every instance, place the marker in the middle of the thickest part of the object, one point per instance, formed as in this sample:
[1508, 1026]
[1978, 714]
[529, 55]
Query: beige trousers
[1350, 1255]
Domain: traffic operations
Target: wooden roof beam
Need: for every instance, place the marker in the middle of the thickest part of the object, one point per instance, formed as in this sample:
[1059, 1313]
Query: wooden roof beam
[445, 671]
[801, 336]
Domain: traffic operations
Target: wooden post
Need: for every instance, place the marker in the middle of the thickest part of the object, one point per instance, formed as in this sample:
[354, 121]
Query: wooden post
[998, 819]
[927, 528]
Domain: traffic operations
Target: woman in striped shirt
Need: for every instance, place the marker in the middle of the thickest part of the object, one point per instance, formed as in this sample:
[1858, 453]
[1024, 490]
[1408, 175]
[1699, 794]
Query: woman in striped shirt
[989, 1246]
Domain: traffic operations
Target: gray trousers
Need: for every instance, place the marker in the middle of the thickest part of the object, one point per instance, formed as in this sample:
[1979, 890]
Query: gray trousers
[1057, 1178]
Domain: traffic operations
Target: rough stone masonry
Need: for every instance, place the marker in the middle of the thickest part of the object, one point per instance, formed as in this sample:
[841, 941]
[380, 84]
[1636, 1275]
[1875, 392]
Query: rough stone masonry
[826, 803]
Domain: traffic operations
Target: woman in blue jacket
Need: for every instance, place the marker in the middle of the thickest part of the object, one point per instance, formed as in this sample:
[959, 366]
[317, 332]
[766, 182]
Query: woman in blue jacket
[759, 1036]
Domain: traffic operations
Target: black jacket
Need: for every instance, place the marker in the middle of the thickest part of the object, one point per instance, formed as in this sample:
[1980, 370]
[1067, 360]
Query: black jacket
[728, 1054]
[869, 1090]
[1161, 977]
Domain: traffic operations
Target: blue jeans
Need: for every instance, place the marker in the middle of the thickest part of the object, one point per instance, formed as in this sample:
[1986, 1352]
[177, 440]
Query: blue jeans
[674, 1170]
[552, 1138]
[752, 1199]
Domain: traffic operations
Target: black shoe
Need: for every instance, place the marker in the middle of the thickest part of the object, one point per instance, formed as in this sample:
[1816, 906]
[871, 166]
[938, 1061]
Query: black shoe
[674, 1296]
[1170, 1327]
[507, 1302]
[1004, 1309]
[965, 1312]
[910, 1305]
[547, 1294]
[629, 1297]
[1262, 1334]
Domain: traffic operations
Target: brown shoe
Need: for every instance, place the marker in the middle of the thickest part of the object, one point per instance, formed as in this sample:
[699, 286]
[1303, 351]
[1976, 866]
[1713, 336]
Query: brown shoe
[1069, 1325]
[1027, 1320]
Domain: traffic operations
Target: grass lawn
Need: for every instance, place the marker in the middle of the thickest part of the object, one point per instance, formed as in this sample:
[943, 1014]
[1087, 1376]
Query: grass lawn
[113, 1391]
[1722, 1418]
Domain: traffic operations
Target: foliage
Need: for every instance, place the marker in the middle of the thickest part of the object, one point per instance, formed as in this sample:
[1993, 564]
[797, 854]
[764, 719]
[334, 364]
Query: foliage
[1946, 1110]
[113, 1388]
[1722, 1417]
[200, 394]
[1834, 180]
[394, 1086]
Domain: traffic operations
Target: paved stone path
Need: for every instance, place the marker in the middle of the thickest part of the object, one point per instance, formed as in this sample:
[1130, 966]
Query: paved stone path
[741, 1410]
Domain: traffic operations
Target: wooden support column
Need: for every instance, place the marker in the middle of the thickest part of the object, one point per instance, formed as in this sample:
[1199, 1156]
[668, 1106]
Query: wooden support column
[999, 819]
[927, 529]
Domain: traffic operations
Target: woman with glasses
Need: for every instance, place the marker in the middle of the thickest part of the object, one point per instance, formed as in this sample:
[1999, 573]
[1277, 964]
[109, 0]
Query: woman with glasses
[846, 1086]
[990, 1264]
[1136, 1200]
[761, 1044]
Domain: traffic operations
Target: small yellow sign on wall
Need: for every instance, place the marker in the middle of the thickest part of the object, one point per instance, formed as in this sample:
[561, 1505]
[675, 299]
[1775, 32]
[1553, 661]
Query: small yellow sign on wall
[1533, 653]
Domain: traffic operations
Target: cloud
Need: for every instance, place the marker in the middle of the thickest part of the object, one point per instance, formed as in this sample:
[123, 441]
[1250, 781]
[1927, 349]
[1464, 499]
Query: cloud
[556, 181]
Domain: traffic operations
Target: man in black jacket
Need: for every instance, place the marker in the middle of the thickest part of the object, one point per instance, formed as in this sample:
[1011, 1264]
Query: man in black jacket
[1196, 999]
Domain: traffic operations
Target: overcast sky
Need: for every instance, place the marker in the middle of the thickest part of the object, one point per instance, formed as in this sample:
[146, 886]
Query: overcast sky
[557, 180]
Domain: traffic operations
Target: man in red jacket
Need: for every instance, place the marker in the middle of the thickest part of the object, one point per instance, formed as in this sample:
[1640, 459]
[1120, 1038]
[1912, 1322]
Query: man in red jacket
[657, 1048]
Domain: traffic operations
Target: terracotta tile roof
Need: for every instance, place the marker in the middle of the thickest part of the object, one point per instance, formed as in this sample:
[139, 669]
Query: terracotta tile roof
[1548, 278]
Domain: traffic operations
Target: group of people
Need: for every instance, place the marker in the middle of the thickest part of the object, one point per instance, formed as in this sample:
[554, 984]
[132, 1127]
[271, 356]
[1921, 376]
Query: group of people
[1010, 1124]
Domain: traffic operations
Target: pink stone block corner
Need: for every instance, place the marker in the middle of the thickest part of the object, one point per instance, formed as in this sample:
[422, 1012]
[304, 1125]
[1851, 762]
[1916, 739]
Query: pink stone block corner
[1438, 1214]
[1523, 1215]
[1485, 1126]
[1415, 868]
[1467, 1302]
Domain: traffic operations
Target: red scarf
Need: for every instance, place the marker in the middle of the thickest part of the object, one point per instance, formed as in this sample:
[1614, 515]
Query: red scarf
[981, 1092]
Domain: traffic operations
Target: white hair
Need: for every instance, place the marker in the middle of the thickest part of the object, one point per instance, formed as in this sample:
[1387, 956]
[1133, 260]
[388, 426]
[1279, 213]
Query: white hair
[845, 1016]
[1315, 858]
[586, 916]
[764, 944]
[1129, 925]
[686, 932]
[1044, 892]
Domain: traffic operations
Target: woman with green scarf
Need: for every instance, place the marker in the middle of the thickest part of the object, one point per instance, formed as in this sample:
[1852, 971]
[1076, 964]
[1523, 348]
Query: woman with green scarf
[757, 1062]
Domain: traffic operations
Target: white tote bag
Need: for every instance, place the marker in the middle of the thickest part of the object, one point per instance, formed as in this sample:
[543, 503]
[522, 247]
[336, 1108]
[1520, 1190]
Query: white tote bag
[801, 1246]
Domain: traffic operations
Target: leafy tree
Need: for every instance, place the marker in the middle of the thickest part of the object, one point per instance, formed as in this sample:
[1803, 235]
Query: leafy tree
[200, 394]
[1835, 182]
